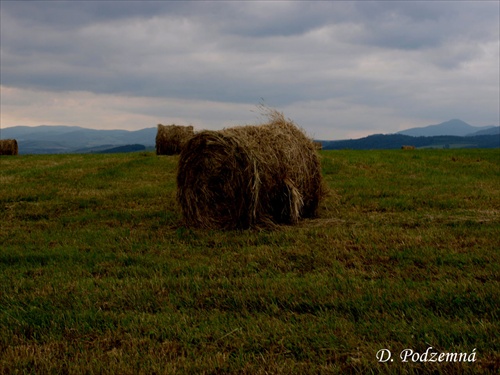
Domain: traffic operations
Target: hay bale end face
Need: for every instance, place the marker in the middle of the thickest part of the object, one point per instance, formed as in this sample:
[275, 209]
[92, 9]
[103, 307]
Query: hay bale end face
[249, 176]
[170, 139]
[8, 147]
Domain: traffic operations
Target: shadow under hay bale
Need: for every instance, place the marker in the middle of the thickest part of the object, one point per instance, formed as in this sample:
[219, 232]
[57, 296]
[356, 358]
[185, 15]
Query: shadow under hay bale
[170, 139]
[8, 147]
[249, 176]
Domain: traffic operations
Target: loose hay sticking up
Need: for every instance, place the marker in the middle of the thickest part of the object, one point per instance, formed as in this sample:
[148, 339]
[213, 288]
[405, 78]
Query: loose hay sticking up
[249, 176]
[8, 147]
[170, 139]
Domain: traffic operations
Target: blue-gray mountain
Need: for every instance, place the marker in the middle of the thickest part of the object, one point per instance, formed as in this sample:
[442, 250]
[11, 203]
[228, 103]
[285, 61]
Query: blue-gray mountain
[449, 134]
[46, 139]
[454, 127]
[396, 141]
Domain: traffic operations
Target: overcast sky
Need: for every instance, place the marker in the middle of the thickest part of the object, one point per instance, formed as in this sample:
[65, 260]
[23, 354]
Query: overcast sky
[339, 69]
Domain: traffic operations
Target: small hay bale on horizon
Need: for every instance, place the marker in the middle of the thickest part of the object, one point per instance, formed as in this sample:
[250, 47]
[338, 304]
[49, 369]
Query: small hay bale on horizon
[318, 145]
[170, 139]
[407, 147]
[8, 147]
[249, 176]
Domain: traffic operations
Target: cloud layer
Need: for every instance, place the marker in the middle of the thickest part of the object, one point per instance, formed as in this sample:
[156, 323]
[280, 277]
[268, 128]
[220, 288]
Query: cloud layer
[339, 69]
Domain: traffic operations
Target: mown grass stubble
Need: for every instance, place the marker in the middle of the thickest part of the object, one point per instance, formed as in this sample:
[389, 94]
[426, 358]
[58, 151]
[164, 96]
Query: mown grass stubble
[99, 275]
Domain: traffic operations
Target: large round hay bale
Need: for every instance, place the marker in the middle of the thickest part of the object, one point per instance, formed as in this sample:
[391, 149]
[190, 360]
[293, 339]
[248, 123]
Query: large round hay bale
[249, 176]
[8, 147]
[170, 139]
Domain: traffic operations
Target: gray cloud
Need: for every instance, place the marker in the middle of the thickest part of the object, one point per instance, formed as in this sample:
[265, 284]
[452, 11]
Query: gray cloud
[420, 60]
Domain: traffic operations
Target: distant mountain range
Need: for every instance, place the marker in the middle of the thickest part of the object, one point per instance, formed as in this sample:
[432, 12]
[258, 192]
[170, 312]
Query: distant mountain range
[47, 139]
[449, 134]
[396, 141]
[454, 127]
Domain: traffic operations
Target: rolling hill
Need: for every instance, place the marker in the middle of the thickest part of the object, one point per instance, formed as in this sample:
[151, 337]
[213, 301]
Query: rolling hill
[454, 127]
[396, 141]
[46, 139]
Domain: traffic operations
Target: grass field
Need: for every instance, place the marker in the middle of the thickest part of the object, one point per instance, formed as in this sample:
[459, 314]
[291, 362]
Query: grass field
[98, 275]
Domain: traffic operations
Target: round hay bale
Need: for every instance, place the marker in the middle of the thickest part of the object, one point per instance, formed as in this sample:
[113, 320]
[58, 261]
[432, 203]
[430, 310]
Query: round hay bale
[318, 145]
[8, 147]
[249, 176]
[170, 139]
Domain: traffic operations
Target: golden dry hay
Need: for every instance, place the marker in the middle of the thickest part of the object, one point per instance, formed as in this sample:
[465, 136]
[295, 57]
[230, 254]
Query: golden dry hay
[318, 145]
[407, 147]
[8, 147]
[249, 176]
[170, 139]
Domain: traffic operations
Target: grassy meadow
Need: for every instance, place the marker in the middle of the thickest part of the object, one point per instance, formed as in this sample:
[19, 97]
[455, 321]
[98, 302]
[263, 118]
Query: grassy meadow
[98, 274]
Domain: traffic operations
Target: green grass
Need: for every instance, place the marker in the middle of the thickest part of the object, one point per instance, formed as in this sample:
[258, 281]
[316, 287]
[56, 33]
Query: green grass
[99, 275]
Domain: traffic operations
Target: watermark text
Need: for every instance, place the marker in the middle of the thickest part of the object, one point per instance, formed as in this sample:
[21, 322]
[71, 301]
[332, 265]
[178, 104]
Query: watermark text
[430, 355]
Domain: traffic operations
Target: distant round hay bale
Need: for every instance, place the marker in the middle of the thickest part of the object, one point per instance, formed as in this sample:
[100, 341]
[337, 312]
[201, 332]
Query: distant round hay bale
[318, 145]
[249, 176]
[407, 147]
[8, 147]
[170, 139]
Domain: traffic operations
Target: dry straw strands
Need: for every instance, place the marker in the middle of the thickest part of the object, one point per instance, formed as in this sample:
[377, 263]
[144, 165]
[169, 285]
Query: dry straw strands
[249, 176]
[170, 139]
[8, 147]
